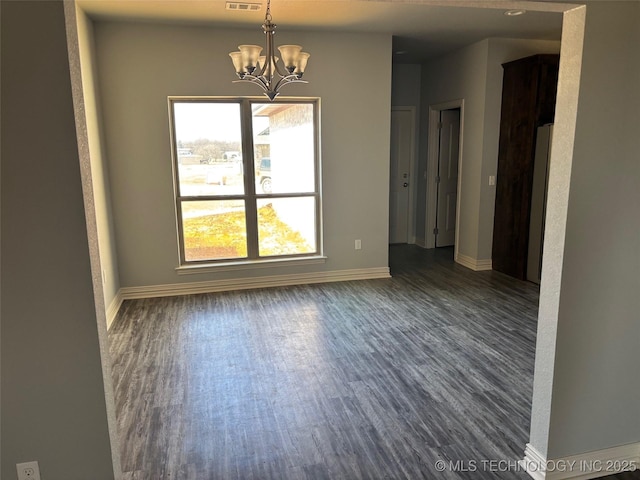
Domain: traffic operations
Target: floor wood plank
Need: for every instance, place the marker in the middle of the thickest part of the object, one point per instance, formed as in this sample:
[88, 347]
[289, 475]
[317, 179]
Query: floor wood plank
[354, 380]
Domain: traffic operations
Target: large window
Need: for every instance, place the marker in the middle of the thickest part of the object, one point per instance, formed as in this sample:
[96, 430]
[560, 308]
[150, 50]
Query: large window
[246, 179]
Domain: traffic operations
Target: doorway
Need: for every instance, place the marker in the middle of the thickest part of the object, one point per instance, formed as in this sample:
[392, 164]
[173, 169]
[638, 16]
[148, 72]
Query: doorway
[443, 174]
[401, 189]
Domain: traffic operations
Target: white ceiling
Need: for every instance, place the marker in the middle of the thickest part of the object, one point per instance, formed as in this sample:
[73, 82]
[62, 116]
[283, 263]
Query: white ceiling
[421, 28]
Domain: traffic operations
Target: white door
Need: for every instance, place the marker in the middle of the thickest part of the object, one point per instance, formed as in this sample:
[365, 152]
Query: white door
[447, 179]
[401, 149]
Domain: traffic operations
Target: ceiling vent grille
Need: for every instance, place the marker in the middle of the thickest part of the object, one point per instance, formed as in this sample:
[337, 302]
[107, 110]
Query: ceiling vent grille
[243, 6]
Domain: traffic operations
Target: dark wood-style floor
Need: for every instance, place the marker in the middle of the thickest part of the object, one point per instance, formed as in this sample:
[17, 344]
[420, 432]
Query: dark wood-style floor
[355, 380]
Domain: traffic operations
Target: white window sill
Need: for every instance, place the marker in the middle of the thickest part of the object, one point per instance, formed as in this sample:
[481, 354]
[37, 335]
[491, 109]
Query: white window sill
[248, 265]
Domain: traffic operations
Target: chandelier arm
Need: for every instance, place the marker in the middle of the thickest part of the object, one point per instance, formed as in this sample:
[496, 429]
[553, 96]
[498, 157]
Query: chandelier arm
[255, 81]
[271, 49]
[286, 80]
[261, 72]
[270, 76]
[280, 72]
[270, 61]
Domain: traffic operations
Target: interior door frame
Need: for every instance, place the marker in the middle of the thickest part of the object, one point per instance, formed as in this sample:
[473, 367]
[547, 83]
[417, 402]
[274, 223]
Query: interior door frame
[433, 133]
[411, 224]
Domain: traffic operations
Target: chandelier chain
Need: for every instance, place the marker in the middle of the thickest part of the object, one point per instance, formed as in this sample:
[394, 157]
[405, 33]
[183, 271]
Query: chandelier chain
[267, 15]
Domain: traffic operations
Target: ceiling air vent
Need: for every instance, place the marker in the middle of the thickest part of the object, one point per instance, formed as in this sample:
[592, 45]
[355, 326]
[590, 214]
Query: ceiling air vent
[243, 6]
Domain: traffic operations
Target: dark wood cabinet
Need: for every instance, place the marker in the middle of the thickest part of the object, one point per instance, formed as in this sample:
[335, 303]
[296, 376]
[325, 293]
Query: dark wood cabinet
[528, 101]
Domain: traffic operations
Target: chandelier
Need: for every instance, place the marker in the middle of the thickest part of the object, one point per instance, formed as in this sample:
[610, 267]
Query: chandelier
[265, 71]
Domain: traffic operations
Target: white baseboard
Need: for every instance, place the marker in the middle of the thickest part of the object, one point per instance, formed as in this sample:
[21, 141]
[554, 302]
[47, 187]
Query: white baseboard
[169, 290]
[532, 463]
[473, 264]
[584, 466]
[112, 309]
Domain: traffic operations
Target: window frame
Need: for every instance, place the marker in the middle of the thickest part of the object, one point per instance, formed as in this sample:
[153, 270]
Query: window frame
[250, 197]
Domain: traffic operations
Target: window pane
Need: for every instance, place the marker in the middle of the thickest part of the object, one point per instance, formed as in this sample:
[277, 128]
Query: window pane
[286, 226]
[283, 139]
[209, 148]
[214, 230]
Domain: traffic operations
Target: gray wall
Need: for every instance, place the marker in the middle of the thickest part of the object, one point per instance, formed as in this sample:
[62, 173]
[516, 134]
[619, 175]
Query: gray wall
[139, 65]
[474, 74]
[405, 85]
[99, 168]
[596, 392]
[53, 400]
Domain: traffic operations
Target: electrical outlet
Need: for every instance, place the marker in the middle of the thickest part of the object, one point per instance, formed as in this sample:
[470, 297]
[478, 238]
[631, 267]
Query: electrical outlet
[358, 244]
[492, 180]
[28, 471]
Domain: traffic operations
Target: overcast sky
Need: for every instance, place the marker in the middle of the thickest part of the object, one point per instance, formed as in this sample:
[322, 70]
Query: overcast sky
[213, 121]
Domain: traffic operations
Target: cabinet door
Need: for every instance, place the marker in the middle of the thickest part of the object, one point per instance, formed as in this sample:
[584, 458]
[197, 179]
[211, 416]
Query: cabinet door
[548, 88]
[528, 101]
[515, 168]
